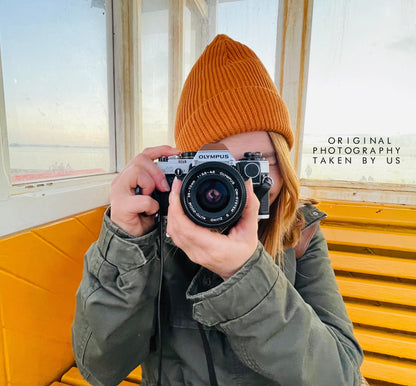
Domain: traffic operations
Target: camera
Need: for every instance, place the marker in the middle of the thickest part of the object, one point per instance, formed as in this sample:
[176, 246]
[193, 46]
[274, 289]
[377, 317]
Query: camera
[213, 193]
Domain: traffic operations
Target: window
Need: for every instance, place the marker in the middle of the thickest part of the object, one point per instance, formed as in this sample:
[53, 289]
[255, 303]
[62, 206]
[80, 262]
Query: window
[57, 109]
[155, 74]
[360, 96]
[173, 36]
[92, 82]
[253, 23]
[56, 94]
[195, 37]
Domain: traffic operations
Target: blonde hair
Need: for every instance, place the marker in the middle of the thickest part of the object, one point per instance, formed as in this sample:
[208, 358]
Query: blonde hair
[282, 229]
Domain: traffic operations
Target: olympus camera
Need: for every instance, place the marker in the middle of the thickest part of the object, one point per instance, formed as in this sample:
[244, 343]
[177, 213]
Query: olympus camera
[213, 193]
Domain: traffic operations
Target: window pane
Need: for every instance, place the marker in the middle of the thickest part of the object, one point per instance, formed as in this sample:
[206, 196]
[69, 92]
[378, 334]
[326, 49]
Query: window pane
[155, 71]
[54, 59]
[195, 37]
[254, 23]
[360, 106]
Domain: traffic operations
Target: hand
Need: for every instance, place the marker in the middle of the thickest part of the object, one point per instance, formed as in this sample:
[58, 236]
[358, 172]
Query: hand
[222, 254]
[135, 213]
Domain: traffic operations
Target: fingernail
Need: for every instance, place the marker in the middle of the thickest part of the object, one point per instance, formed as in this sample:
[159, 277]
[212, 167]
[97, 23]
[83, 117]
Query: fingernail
[165, 186]
[175, 185]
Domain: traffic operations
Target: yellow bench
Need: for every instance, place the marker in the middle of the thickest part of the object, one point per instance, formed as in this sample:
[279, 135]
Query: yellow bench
[40, 271]
[372, 248]
[373, 252]
[73, 377]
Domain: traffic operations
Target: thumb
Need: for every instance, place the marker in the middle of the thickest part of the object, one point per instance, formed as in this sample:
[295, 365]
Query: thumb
[175, 191]
[251, 210]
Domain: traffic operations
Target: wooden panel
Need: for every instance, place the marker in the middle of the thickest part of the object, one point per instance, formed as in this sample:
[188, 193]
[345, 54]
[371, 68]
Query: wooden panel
[384, 342]
[343, 235]
[30, 258]
[74, 377]
[389, 370]
[37, 331]
[377, 214]
[382, 316]
[373, 265]
[38, 284]
[69, 236]
[26, 306]
[135, 375]
[40, 271]
[3, 349]
[91, 219]
[380, 291]
[398, 293]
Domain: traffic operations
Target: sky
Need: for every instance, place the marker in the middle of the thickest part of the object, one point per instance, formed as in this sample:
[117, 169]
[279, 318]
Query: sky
[253, 23]
[55, 71]
[362, 68]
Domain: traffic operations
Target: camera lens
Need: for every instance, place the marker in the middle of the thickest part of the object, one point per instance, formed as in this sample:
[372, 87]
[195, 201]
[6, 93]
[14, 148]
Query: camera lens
[212, 195]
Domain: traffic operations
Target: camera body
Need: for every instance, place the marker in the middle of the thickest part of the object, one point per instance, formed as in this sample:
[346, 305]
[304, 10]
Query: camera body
[213, 192]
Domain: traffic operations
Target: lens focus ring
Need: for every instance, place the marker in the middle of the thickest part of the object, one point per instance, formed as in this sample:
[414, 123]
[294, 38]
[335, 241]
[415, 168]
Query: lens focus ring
[213, 194]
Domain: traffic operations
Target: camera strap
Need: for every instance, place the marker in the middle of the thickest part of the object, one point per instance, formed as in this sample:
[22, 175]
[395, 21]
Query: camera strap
[208, 356]
[207, 349]
[159, 297]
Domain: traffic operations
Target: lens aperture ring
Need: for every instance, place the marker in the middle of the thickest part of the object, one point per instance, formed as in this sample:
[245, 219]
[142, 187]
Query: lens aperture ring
[213, 194]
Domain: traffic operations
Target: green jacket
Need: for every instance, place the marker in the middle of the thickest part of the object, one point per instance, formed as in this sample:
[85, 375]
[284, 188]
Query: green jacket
[265, 325]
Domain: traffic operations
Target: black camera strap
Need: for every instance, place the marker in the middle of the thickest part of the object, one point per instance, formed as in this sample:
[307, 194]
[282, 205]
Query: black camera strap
[207, 348]
[208, 356]
[159, 298]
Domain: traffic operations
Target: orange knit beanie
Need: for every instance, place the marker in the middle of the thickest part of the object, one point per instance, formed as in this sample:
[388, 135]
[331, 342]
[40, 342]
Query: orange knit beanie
[227, 92]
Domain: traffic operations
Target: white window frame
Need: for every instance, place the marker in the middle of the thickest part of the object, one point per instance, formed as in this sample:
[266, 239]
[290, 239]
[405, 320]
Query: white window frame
[28, 205]
[292, 62]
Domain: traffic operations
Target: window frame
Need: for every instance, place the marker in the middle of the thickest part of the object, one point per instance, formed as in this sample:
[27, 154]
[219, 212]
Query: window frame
[27, 205]
[292, 63]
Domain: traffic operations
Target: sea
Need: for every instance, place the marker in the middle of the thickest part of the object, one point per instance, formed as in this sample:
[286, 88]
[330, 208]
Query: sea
[30, 161]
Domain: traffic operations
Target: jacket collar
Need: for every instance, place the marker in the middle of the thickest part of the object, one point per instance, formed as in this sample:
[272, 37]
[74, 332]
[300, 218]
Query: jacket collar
[311, 214]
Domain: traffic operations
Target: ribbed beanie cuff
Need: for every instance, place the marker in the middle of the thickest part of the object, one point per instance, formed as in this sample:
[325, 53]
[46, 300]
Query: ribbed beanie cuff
[227, 92]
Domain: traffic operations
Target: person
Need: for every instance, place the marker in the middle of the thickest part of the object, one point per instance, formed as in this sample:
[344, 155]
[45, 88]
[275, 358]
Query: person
[256, 305]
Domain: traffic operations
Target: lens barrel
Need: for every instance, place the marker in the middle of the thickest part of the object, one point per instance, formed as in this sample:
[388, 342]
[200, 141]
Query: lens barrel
[213, 194]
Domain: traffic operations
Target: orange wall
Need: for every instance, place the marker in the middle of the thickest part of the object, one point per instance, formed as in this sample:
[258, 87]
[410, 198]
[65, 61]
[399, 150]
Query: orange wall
[40, 271]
